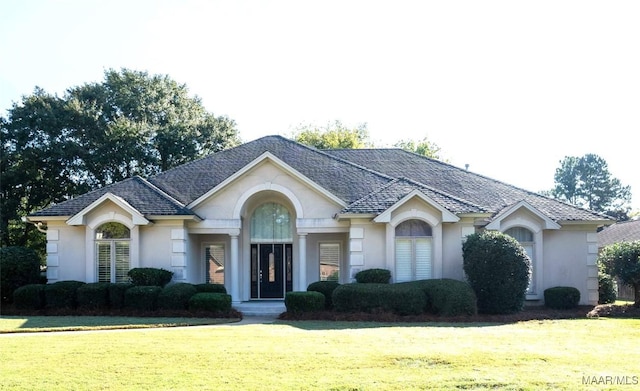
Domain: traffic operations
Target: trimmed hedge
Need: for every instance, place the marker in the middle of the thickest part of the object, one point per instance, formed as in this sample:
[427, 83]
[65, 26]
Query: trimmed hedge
[176, 296]
[211, 302]
[396, 298]
[310, 301]
[373, 276]
[607, 289]
[18, 266]
[116, 294]
[211, 288]
[62, 294]
[29, 297]
[142, 298]
[561, 297]
[498, 270]
[150, 276]
[447, 297]
[326, 288]
[94, 295]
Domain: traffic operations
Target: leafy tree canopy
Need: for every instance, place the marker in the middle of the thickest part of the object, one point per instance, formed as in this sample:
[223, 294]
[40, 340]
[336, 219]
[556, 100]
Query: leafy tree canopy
[622, 260]
[131, 123]
[334, 135]
[587, 183]
[422, 147]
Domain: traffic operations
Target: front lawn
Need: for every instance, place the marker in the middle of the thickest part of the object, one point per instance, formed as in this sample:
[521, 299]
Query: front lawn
[317, 355]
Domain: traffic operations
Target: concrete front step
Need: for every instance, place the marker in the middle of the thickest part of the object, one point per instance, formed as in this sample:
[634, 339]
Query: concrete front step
[260, 308]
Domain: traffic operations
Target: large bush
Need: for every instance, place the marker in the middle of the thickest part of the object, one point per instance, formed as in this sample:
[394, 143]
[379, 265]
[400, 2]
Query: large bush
[373, 276]
[142, 298]
[298, 302]
[18, 266]
[498, 270]
[396, 298]
[326, 288]
[561, 297]
[176, 296]
[211, 288]
[447, 297]
[210, 302]
[62, 294]
[94, 295]
[29, 297]
[607, 289]
[622, 260]
[150, 276]
[116, 294]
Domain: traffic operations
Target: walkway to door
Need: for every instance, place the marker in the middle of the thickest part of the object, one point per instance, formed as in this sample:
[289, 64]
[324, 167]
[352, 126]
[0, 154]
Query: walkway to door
[261, 308]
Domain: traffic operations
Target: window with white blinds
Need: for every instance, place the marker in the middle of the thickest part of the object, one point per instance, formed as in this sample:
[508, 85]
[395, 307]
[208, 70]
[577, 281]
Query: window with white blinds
[413, 251]
[329, 261]
[113, 255]
[214, 260]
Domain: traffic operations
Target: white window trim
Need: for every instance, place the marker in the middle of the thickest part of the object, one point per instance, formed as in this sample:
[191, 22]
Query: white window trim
[203, 261]
[341, 267]
[537, 263]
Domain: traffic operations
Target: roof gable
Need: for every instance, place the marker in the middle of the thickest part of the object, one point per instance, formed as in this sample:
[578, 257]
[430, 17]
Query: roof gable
[136, 217]
[547, 223]
[447, 216]
[267, 157]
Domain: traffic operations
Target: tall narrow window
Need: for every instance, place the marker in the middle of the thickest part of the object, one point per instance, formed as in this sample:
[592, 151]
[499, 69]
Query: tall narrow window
[413, 251]
[525, 238]
[329, 261]
[113, 256]
[214, 261]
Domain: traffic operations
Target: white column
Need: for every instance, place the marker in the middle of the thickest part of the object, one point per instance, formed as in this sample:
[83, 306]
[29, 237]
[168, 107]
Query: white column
[235, 270]
[302, 275]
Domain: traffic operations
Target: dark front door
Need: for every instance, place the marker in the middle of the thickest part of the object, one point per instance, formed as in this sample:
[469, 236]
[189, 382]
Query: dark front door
[270, 270]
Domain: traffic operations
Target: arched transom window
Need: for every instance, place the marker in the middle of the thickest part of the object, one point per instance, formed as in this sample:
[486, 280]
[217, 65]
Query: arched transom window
[113, 258]
[526, 240]
[271, 223]
[413, 251]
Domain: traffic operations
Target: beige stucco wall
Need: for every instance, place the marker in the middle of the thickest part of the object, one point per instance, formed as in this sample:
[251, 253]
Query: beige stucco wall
[65, 252]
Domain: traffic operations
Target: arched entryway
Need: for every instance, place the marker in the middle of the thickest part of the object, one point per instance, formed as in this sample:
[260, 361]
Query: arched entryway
[271, 251]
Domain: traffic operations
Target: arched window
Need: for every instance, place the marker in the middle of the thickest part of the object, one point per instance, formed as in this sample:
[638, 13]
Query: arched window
[112, 252]
[526, 240]
[271, 223]
[413, 251]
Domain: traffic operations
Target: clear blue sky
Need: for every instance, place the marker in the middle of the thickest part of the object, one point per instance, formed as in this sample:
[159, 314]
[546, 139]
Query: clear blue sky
[508, 87]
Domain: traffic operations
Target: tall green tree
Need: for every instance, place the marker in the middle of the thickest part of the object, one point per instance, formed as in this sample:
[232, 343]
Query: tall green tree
[622, 260]
[131, 123]
[586, 182]
[334, 135]
[422, 147]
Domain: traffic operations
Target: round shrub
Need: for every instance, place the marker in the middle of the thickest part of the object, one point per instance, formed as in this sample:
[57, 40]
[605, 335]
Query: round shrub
[397, 298]
[29, 297]
[447, 297]
[373, 276]
[94, 295]
[116, 294]
[326, 288]
[498, 270]
[176, 296]
[561, 297]
[18, 266]
[607, 289]
[211, 288]
[150, 276]
[211, 302]
[62, 294]
[310, 301]
[142, 298]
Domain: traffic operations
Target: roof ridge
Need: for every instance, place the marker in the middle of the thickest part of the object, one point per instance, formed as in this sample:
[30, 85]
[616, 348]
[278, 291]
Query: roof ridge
[461, 200]
[376, 191]
[162, 192]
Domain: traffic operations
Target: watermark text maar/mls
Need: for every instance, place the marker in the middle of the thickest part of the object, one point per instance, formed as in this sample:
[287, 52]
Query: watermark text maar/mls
[600, 380]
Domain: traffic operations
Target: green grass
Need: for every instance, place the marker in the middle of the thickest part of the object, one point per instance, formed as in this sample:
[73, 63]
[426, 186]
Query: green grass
[534, 355]
[22, 324]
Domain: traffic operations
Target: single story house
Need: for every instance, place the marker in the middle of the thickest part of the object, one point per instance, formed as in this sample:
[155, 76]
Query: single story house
[272, 215]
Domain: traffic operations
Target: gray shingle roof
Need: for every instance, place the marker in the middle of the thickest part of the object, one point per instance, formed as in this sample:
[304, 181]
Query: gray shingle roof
[139, 193]
[625, 231]
[488, 194]
[367, 180]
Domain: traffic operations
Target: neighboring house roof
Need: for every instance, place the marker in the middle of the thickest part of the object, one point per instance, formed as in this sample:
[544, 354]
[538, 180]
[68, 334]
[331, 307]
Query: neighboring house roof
[368, 181]
[624, 231]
